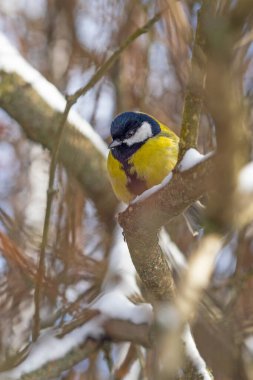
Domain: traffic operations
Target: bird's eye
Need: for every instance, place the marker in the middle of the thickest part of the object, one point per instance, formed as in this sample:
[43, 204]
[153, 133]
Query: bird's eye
[130, 133]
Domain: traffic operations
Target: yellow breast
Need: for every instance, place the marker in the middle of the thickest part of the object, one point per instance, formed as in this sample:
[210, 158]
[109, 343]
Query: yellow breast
[151, 163]
[118, 179]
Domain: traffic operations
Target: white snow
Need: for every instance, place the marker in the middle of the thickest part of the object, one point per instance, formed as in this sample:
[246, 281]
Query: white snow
[152, 190]
[191, 158]
[194, 355]
[171, 250]
[119, 284]
[49, 348]
[21, 322]
[12, 62]
[134, 373]
[121, 272]
[246, 178]
[249, 343]
[116, 305]
[119, 353]
[38, 182]
[74, 291]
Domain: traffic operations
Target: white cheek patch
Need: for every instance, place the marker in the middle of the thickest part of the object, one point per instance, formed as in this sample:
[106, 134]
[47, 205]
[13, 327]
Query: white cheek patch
[142, 134]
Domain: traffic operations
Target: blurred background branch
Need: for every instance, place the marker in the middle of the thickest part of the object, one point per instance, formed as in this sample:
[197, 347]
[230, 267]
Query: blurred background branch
[193, 101]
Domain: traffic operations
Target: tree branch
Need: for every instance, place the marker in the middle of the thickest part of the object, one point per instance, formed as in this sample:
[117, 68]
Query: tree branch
[194, 94]
[78, 153]
[55, 368]
[114, 330]
[227, 107]
[108, 64]
[141, 230]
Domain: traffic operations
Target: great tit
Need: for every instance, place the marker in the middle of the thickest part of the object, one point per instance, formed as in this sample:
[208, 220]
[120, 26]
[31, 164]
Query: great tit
[142, 153]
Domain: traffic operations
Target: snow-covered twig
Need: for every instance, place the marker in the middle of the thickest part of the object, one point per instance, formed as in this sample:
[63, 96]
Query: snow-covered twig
[52, 354]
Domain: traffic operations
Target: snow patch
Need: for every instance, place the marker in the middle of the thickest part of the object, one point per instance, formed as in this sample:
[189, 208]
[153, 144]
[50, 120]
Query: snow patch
[134, 373]
[147, 193]
[121, 272]
[114, 304]
[194, 355]
[191, 158]
[119, 284]
[249, 343]
[171, 250]
[49, 348]
[74, 291]
[246, 178]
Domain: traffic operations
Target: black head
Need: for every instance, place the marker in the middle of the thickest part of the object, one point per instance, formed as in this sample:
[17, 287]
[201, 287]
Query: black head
[129, 131]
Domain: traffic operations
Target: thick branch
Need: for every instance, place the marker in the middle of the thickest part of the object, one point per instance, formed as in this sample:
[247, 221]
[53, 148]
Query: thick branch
[77, 153]
[228, 108]
[141, 225]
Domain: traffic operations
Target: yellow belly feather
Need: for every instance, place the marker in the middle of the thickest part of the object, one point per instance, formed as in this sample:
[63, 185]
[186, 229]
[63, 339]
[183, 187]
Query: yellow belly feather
[118, 179]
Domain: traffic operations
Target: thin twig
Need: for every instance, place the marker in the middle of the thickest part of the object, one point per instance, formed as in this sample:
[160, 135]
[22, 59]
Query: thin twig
[108, 64]
[72, 99]
[50, 195]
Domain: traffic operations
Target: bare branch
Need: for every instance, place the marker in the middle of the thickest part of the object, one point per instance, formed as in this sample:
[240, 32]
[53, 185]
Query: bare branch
[108, 64]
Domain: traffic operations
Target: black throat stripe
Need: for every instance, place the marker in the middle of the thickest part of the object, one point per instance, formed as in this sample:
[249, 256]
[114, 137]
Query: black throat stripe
[135, 185]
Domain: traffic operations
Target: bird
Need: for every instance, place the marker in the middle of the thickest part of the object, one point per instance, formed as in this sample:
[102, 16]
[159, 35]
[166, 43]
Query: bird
[142, 153]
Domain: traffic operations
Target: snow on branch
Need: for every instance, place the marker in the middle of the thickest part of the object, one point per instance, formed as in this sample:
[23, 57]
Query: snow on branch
[56, 351]
[191, 158]
[12, 62]
[193, 355]
[37, 105]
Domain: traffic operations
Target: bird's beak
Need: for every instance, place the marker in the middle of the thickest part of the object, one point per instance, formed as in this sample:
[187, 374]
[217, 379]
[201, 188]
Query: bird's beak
[114, 143]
